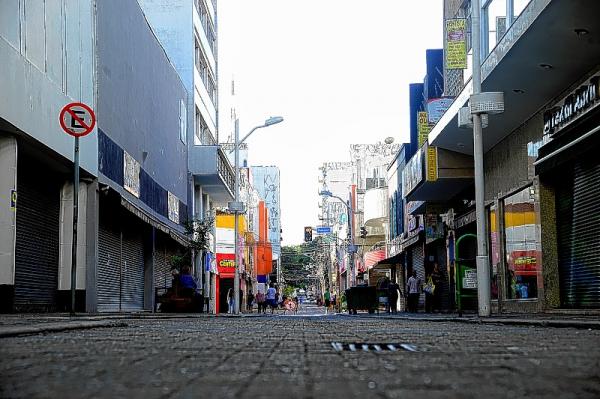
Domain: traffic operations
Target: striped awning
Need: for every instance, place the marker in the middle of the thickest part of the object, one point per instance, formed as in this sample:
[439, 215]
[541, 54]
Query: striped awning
[373, 257]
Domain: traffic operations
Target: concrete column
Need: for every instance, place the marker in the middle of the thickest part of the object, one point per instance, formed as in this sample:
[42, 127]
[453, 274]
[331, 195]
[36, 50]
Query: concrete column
[66, 237]
[8, 219]
[91, 234]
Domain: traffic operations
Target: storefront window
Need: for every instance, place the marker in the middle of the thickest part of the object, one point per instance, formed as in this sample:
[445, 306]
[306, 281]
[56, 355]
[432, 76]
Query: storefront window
[522, 247]
[494, 249]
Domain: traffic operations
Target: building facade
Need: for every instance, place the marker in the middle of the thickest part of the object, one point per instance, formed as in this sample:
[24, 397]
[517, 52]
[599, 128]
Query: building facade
[47, 54]
[134, 188]
[540, 177]
[187, 30]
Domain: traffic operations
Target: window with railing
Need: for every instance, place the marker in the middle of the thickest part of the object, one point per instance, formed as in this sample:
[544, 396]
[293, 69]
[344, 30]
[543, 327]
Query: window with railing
[205, 73]
[497, 16]
[203, 136]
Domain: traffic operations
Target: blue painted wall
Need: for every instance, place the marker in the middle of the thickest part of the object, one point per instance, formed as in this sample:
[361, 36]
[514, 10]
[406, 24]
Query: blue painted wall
[415, 105]
[434, 81]
[139, 94]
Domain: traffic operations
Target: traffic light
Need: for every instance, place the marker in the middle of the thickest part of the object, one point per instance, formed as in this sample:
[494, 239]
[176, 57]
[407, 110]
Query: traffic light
[307, 234]
[363, 232]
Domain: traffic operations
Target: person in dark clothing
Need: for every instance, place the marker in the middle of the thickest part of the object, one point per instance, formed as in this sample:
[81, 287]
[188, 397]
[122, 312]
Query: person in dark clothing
[189, 287]
[186, 280]
[250, 301]
[393, 291]
[437, 278]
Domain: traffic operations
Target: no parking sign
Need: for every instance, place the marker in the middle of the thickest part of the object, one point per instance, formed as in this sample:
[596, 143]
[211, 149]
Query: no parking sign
[77, 119]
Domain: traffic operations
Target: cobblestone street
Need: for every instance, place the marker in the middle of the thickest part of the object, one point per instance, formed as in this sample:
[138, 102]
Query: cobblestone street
[287, 356]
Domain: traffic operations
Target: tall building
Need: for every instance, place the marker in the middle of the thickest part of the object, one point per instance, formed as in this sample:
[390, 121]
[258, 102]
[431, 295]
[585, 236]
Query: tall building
[266, 181]
[134, 194]
[47, 54]
[187, 30]
[540, 169]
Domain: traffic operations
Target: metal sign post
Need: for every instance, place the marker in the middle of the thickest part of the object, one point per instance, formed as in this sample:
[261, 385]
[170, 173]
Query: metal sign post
[77, 120]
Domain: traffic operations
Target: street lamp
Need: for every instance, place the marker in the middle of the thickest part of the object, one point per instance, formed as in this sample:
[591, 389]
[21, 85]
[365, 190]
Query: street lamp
[237, 207]
[348, 204]
[481, 105]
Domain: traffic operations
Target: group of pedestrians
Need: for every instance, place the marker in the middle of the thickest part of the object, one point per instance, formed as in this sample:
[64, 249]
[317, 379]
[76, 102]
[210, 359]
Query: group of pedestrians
[432, 289]
[265, 300]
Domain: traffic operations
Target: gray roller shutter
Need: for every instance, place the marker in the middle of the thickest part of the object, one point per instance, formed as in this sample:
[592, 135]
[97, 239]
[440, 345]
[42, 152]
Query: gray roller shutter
[578, 216]
[162, 263]
[37, 245]
[418, 264]
[120, 260]
[109, 260]
[132, 285]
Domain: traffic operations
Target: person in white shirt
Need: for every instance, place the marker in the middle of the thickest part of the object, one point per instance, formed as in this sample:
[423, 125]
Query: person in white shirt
[413, 288]
[271, 297]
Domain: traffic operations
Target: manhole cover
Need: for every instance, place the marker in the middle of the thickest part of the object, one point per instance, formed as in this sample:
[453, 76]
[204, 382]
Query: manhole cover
[367, 347]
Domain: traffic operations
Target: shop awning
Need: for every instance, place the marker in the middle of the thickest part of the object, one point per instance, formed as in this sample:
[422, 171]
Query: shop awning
[373, 257]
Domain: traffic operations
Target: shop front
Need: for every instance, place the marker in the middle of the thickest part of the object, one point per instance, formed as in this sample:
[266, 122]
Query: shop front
[569, 171]
[226, 268]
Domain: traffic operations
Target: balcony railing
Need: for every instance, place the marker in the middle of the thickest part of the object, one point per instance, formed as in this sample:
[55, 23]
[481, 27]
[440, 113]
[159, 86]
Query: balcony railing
[225, 170]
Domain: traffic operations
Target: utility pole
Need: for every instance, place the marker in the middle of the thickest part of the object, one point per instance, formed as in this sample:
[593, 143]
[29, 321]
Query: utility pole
[481, 104]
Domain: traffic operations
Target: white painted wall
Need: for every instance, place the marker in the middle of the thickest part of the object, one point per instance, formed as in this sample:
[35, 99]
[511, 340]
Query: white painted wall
[46, 48]
[8, 216]
[66, 237]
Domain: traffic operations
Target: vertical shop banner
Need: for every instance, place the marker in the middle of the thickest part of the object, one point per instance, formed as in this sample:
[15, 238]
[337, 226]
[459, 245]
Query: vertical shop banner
[456, 43]
[422, 127]
[432, 166]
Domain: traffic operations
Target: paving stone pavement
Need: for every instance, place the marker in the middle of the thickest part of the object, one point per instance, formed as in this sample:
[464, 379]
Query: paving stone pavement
[292, 357]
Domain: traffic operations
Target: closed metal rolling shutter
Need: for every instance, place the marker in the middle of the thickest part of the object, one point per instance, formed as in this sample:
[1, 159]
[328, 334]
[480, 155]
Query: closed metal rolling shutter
[132, 284]
[120, 261]
[418, 264]
[578, 216]
[37, 245]
[109, 272]
[162, 264]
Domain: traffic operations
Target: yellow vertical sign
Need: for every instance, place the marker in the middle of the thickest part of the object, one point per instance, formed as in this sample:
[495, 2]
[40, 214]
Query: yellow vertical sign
[456, 43]
[432, 166]
[422, 128]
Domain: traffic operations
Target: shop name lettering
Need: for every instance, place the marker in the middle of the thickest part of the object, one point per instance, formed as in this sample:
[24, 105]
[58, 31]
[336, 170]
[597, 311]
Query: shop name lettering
[227, 263]
[572, 107]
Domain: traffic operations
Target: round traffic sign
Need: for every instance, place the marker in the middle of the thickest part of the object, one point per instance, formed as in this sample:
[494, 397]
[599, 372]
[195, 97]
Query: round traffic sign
[77, 119]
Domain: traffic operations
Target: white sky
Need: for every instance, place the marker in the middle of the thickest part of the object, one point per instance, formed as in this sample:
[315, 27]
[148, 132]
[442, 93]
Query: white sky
[338, 72]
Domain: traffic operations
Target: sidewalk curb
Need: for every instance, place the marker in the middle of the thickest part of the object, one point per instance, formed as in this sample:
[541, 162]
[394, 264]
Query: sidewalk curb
[42, 328]
[580, 324]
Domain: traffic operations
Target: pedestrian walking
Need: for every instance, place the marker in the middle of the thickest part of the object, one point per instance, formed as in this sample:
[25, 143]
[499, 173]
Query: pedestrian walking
[271, 297]
[437, 277]
[230, 300]
[393, 291]
[260, 301]
[327, 297]
[250, 301]
[432, 289]
[413, 289]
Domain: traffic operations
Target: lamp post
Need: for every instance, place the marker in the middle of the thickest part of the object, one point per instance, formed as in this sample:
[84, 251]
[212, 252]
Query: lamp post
[237, 207]
[481, 104]
[348, 205]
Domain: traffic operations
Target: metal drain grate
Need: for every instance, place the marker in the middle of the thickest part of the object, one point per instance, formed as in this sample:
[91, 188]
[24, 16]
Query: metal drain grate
[366, 347]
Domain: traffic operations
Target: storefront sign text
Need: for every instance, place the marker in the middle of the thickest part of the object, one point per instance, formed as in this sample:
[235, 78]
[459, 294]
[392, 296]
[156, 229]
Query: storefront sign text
[456, 44]
[572, 107]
